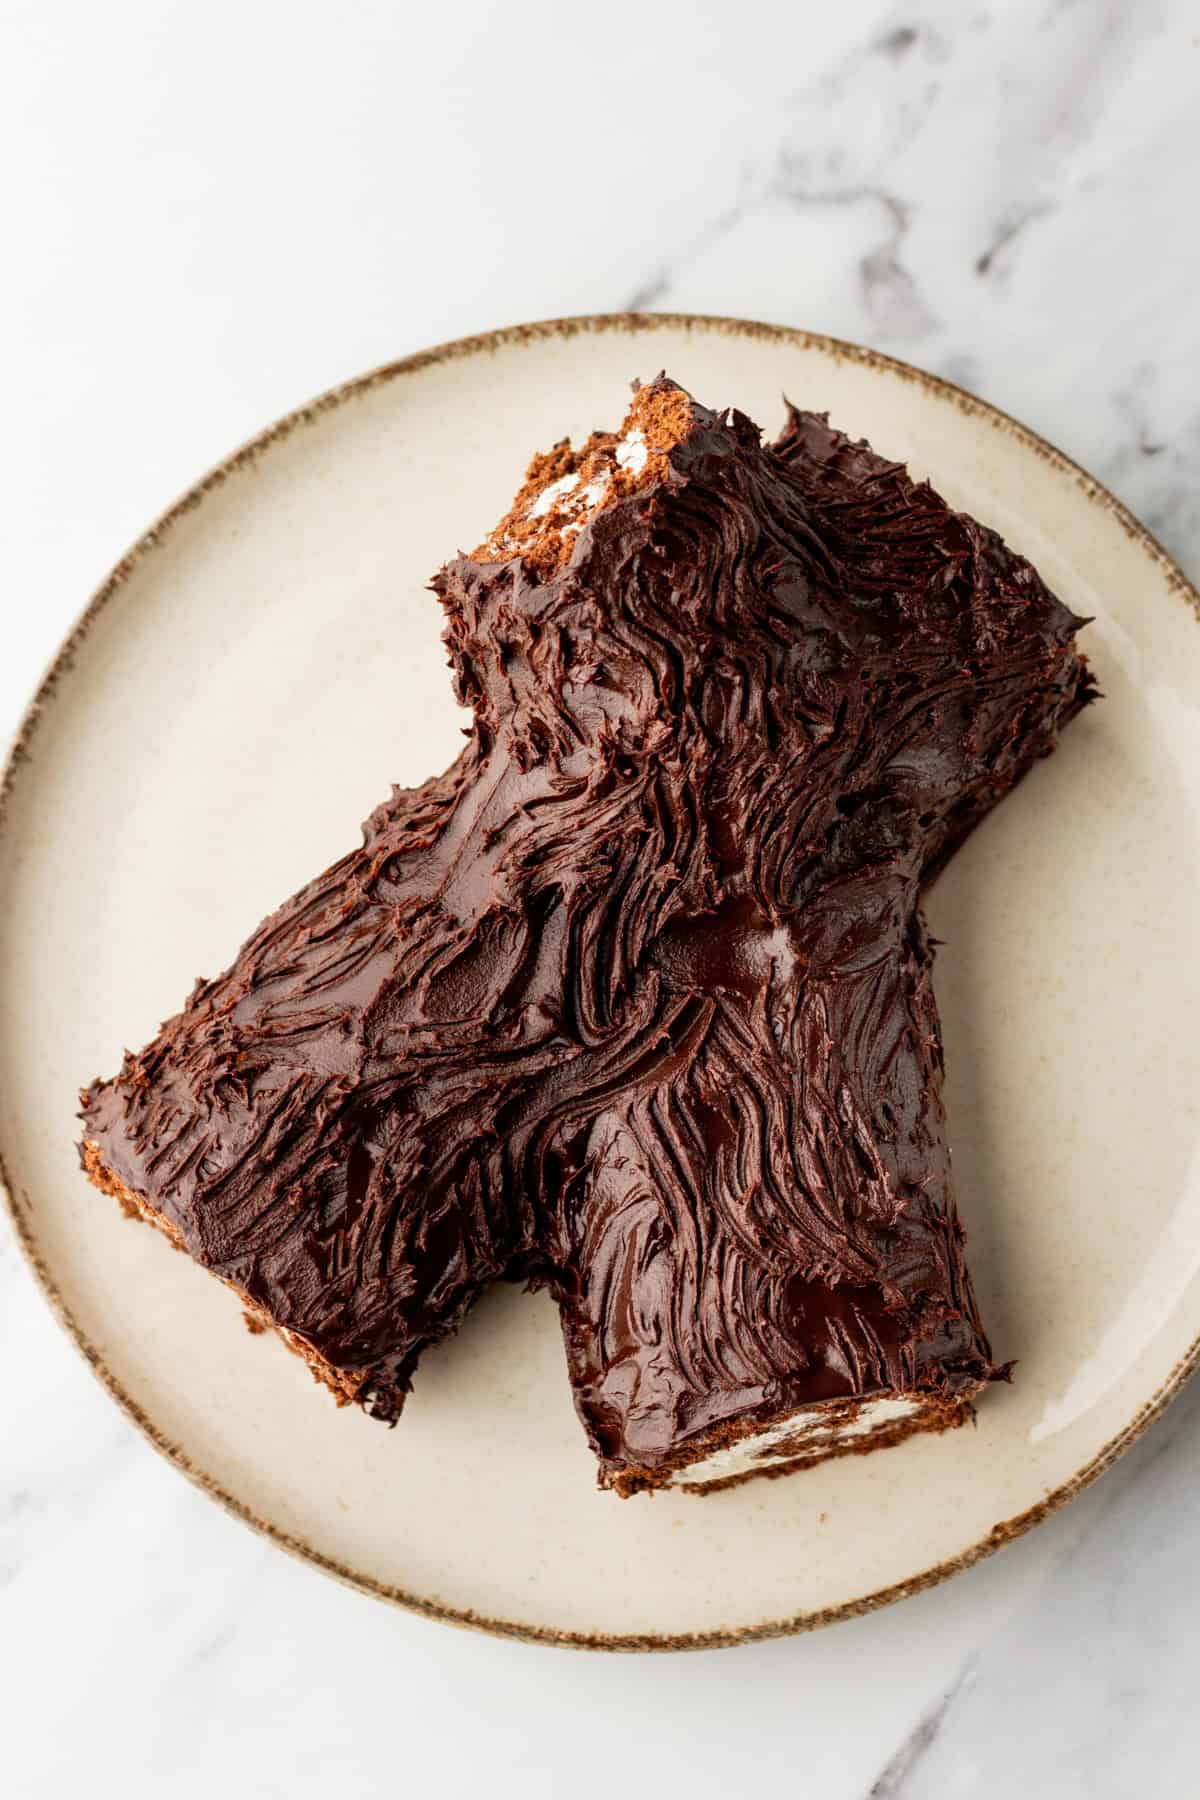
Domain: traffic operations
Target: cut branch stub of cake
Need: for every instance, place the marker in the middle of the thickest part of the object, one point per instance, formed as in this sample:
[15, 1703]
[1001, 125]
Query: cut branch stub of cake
[564, 489]
[635, 1001]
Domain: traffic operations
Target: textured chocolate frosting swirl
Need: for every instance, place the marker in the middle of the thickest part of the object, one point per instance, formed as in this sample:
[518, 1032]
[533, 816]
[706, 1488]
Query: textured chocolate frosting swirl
[635, 1000]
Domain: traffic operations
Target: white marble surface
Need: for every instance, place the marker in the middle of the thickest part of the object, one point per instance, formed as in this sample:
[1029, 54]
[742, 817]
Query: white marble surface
[212, 212]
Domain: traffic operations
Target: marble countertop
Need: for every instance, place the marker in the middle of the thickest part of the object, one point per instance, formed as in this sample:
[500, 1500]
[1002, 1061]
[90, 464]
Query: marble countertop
[220, 210]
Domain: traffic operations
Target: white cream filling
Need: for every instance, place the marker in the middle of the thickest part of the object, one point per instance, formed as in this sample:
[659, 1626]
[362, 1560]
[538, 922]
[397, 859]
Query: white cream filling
[631, 453]
[550, 496]
[799, 1437]
[561, 495]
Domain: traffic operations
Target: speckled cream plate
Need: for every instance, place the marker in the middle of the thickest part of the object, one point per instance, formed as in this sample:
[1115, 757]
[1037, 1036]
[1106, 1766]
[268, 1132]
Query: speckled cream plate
[244, 689]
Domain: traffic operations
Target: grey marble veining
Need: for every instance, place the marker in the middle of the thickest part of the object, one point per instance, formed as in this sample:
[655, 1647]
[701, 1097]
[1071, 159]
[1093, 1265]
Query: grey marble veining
[1079, 1693]
[252, 203]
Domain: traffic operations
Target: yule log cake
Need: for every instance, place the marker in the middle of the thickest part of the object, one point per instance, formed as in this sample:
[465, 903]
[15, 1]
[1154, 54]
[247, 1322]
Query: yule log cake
[634, 1002]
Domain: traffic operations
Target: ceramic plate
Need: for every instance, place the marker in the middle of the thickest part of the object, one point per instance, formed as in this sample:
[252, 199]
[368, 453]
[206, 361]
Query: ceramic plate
[245, 688]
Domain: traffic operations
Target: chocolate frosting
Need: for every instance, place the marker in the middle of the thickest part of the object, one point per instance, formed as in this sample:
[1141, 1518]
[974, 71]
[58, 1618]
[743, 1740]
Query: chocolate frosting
[635, 1000]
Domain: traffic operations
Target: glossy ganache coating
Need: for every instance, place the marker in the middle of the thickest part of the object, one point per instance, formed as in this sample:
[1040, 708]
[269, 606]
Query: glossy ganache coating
[635, 1000]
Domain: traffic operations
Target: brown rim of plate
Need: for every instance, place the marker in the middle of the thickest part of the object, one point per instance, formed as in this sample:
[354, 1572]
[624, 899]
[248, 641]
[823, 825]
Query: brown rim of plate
[19, 1206]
